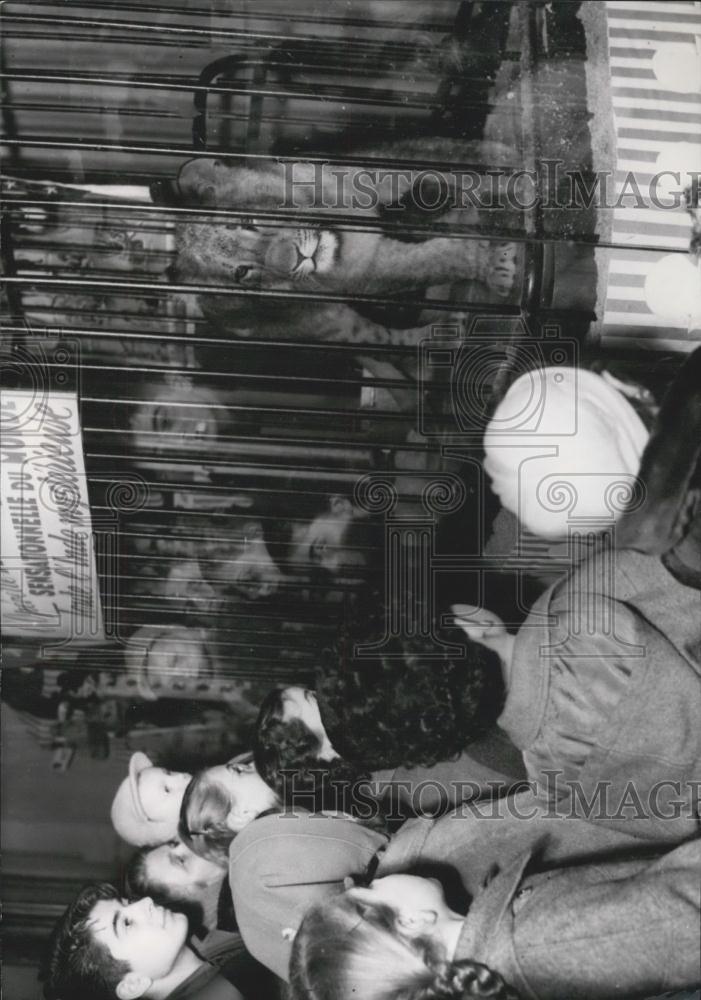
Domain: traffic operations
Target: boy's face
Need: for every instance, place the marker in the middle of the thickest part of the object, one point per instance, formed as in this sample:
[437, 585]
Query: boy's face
[161, 793]
[406, 895]
[147, 937]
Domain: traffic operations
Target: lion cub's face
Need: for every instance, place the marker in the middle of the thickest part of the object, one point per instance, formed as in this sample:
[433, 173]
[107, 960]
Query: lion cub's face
[249, 252]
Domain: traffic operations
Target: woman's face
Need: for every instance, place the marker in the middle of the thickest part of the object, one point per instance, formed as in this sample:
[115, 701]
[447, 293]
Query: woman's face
[177, 416]
[176, 866]
[242, 564]
[323, 542]
[248, 793]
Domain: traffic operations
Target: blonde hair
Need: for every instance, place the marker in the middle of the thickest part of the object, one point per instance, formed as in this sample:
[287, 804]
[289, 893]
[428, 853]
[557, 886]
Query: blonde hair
[345, 949]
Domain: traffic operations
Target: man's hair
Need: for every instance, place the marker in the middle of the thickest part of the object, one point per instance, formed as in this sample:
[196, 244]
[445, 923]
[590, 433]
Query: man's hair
[76, 966]
[203, 819]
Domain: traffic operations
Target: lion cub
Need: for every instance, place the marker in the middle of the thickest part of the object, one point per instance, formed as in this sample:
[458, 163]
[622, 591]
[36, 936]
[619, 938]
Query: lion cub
[344, 249]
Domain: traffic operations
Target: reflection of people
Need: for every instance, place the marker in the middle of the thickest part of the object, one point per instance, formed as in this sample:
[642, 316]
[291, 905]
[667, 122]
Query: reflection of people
[146, 808]
[338, 539]
[108, 949]
[236, 559]
[224, 556]
[570, 932]
[178, 414]
[157, 656]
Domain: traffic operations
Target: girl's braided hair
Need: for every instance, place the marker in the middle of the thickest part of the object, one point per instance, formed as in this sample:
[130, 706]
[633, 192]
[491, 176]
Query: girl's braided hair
[345, 949]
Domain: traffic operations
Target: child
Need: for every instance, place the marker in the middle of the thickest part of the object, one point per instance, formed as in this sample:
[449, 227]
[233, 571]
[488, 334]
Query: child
[624, 927]
[108, 949]
[146, 808]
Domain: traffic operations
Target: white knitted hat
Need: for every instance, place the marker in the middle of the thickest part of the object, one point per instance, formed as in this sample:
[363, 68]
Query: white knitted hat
[563, 445]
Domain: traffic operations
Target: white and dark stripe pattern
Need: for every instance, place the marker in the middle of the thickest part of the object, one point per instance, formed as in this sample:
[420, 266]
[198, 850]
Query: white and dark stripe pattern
[657, 121]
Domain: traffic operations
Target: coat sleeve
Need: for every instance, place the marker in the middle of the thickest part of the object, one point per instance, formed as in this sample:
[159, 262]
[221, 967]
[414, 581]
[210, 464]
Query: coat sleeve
[615, 729]
[479, 837]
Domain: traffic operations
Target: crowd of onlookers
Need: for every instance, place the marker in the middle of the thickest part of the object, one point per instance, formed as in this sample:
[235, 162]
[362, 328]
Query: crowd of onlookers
[474, 810]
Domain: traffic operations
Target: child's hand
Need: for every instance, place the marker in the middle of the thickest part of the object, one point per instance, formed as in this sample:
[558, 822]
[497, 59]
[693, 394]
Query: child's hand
[477, 623]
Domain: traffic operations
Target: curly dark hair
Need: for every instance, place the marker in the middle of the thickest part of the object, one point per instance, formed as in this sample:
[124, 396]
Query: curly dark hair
[286, 755]
[415, 703]
[75, 966]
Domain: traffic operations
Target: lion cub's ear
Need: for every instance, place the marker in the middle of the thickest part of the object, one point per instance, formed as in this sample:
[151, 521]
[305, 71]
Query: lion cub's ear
[197, 180]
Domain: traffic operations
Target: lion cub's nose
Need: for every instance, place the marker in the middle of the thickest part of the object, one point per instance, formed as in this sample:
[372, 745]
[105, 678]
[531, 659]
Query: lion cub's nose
[282, 256]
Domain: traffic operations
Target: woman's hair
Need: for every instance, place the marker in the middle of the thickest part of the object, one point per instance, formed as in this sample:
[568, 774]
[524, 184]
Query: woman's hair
[138, 883]
[345, 949]
[414, 703]
[203, 819]
[286, 755]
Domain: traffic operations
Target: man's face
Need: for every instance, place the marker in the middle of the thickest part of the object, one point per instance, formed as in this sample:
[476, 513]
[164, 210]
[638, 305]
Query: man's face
[243, 564]
[180, 653]
[322, 542]
[147, 937]
[177, 867]
[161, 793]
[248, 793]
